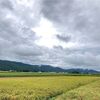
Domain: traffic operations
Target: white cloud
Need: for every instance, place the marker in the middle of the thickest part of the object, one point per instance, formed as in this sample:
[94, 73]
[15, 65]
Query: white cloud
[63, 33]
[47, 33]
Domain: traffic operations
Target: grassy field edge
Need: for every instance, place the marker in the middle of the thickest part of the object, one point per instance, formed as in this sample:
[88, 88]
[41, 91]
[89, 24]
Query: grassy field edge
[40, 74]
[84, 92]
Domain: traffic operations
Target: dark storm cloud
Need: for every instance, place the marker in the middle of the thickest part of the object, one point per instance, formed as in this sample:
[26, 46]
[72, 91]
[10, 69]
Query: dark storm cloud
[64, 38]
[57, 9]
[6, 4]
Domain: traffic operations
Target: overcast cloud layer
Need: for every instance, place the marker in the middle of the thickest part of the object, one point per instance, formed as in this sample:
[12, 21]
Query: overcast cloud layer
[64, 33]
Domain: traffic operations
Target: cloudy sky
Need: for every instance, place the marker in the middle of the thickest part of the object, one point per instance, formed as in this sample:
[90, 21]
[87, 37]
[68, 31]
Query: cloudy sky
[64, 33]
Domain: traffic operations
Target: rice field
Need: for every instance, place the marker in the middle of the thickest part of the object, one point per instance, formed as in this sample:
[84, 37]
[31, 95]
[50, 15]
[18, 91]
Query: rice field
[87, 92]
[40, 88]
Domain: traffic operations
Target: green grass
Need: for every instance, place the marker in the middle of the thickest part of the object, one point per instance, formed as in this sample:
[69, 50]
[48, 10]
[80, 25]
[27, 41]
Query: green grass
[29, 74]
[40, 88]
[37, 74]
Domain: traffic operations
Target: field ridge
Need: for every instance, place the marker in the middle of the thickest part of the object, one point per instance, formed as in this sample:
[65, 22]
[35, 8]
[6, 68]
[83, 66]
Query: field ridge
[54, 97]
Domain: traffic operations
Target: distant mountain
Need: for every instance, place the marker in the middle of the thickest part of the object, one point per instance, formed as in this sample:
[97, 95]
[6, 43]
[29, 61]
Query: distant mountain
[21, 67]
[82, 71]
[18, 66]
